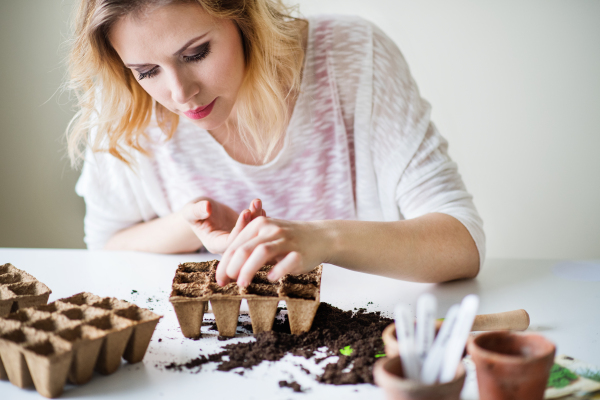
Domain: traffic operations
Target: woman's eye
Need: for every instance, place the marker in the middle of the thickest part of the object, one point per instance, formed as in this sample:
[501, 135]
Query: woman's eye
[203, 51]
[148, 74]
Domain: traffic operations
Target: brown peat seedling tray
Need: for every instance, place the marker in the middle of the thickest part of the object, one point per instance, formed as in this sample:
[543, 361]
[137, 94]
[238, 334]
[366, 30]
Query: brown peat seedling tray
[19, 290]
[195, 285]
[45, 345]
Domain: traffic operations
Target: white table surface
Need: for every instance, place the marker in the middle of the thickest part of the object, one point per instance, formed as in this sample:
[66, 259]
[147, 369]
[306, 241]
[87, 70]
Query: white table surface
[565, 310]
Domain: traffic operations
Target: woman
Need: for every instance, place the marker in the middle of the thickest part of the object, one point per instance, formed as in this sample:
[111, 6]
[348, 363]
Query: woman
[195, 107]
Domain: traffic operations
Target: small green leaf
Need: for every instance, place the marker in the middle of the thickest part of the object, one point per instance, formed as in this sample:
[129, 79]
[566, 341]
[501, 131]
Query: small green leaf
[379, 355]
[560, 377]
[346, 351]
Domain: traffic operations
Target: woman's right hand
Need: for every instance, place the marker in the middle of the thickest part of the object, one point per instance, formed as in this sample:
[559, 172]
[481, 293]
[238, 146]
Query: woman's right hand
[216, 224]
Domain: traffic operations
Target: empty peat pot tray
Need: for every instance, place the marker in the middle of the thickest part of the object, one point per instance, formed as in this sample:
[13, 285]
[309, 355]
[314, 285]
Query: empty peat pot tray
[19, 290]
[45, 345]
[195, 285]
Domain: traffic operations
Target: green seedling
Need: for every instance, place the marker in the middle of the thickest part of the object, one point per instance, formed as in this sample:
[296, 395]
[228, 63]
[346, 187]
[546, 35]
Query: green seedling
[560, 377]
[348, 350]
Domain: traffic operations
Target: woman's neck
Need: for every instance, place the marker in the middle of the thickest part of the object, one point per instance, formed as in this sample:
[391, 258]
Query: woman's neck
[230, 138]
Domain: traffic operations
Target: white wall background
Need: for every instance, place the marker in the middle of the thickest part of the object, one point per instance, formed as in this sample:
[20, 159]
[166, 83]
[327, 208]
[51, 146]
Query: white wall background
[514, 85]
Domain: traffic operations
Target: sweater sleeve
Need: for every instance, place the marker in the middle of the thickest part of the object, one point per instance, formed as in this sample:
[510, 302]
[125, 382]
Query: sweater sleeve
[410, 156]
[431, 183]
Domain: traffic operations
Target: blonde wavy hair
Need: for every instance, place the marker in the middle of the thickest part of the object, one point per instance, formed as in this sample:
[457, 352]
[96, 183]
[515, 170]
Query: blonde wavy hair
[111, 101]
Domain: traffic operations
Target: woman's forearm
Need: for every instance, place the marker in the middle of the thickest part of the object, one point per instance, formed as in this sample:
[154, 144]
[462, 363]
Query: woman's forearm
[433, 248]
[168, 235]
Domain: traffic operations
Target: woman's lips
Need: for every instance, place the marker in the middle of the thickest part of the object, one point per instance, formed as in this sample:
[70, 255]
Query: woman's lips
[200, 112]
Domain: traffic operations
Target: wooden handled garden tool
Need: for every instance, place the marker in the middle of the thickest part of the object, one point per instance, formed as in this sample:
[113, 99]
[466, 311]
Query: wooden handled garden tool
[517, 320]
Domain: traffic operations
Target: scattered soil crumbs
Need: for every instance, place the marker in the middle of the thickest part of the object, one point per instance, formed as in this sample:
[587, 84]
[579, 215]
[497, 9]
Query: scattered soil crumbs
[295, 386]
[196, 362]
[358, 333]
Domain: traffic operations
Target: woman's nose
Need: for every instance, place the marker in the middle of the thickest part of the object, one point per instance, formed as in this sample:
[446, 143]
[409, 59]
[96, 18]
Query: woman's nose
[183, 88]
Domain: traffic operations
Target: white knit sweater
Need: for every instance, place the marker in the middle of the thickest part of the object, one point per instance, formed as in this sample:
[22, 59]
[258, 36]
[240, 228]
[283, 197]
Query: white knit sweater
[360, 145]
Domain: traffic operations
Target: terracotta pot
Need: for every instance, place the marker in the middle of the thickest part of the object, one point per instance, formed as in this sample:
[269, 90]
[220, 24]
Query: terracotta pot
[511, 366]
[388, 375]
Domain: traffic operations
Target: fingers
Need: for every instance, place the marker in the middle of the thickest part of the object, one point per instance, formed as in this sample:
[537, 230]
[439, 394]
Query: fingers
[199, 211]
[261, 241]
[256, 208]
[221, 275]
[264, 213]
[291, 264]
[246, 263]
[246, 238]
[239, 257]
[240, 236]
[243, 220]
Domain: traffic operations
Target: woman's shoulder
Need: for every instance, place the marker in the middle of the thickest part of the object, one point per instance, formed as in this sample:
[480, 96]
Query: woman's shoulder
[346, 33]
[337, 18]
[337, 32]
[348, 42]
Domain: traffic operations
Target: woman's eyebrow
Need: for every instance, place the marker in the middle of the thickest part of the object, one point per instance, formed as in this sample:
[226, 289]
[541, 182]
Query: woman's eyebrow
[185, 46]
[137, 65]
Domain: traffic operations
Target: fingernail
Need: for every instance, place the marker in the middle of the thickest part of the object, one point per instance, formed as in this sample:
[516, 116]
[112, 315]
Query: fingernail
[242, 283]
[220, 282]
[272, 276]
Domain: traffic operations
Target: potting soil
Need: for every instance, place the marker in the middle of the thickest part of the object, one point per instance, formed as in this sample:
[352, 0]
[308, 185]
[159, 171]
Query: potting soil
[354, 336]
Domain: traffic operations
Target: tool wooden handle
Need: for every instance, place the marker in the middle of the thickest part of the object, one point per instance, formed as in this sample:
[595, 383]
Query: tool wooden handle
[517, 320]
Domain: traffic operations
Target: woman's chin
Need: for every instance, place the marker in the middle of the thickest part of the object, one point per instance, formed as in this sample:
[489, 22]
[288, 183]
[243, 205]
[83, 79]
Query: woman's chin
[206, 125]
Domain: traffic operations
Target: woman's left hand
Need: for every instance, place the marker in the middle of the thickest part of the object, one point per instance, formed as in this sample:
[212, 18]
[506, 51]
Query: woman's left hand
[297, 247]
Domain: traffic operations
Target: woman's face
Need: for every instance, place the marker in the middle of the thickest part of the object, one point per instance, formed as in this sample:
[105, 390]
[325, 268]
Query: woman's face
[188, 61]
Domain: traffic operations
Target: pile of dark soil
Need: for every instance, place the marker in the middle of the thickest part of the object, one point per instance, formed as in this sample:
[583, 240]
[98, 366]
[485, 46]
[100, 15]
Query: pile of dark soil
[356, 333]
